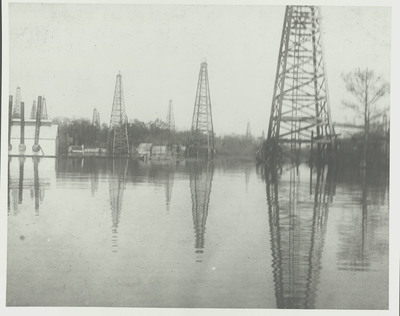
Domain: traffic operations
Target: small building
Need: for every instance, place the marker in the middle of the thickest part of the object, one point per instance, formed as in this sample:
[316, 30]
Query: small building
[145, 150]
[164, 152]
[48, 137]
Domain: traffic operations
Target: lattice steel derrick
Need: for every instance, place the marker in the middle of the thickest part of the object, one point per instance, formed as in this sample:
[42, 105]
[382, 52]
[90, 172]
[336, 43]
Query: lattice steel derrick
[200, 188]
[33, 110]
[300, 101]
[118, 142]
[17, 105]
[44, 115]
[201, 140]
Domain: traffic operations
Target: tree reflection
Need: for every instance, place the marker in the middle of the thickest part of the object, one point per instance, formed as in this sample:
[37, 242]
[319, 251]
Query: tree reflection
[201, 175]
[297, 233]
[117, 169]
[362, 239]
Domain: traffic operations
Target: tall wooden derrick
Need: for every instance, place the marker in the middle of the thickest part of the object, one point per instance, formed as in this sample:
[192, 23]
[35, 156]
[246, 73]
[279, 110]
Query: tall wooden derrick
[201, 141]
[297, 236]
[300, 111]
[118, 141]
[201, 177]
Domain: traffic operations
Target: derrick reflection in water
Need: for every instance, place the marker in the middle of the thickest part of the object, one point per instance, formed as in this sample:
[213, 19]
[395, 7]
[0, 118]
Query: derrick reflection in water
[94, 177]
[16, 187]
[201, 175]
[169, 183]
[117, 169]
[297, 231]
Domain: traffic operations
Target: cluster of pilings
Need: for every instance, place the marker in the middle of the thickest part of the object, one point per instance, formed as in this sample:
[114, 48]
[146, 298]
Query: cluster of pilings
[19, 113]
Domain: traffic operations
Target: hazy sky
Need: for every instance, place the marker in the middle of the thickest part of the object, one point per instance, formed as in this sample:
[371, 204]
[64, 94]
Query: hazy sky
[71, 54]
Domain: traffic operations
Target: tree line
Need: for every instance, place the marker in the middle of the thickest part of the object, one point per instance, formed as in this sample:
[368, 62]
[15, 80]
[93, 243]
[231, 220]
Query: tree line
[364, 87]
[80, 131]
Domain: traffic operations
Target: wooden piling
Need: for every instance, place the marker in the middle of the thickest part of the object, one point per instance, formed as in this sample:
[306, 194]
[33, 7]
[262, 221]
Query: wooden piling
[21, 179]
[36, 146]
[36, 183]
[10, 100]
[22, 146]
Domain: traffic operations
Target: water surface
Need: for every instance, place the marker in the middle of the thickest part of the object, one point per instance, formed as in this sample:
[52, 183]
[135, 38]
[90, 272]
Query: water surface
[97, 232]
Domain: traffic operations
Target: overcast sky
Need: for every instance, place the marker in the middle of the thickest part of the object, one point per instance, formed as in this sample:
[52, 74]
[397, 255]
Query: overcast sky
[71, 54]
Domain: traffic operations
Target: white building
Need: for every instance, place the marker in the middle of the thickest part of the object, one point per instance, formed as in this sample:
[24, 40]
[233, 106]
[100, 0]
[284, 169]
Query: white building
[48, 138]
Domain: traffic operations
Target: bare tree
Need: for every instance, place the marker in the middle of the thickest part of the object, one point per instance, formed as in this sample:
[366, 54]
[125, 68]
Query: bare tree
[366, 89]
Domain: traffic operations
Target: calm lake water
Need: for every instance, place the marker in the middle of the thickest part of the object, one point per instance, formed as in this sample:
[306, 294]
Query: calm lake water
[97, 232]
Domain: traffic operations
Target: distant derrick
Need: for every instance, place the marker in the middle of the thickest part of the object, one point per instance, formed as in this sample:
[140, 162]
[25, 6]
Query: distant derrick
[201, 141]
[170, 118]
[171, 123]
[17, 105]
[33, 111]
[248, 131]
[43, 115]
[118, 142]
[96, 118]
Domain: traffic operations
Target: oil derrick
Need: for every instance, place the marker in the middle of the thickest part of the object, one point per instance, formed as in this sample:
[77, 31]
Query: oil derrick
[43, 114]
[248, 132]
[117, 170]
[201, 141]
[170, 118]
[297, 230]
[200, 187]
[118, 142]
[17, 105]
[33, 111]
[170, 122]
[300, 111]
[96, 118]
